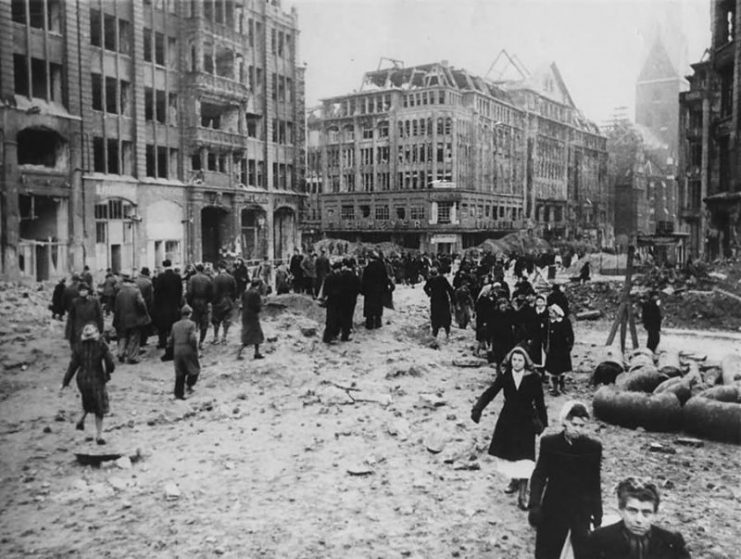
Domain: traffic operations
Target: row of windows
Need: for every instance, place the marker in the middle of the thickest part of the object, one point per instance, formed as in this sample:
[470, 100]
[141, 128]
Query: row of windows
[348, 132]
[283, 132]
[37, 78]
[112, 96]
[38, 14]
[282, 88]
[421, 98]
[363, 105]
[110, 32]
[424, 127]
[381, 212]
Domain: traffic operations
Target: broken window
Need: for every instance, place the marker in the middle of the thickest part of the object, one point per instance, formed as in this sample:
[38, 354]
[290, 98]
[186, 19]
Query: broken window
[125, 96]
[151, 161]
[172, 109]
[39, 81]
[112, 157]
[161, 106]
[99, 165]
[225, 63]
[211, 162]
[147, 44]
[274, 88]
[252, 128]
[36, 12]
[159, 49]
[208, 11]
[260, 173]
[172, 52]
[251, 170]
[127, 158]
[18, 11]
[40, 146]
[109, 32]
[251, 32]
[211, 115]
[111, 104]
[162, 161]
[124, 36]
[195, 161]
[219, 12]
[96, 37]
[275, 176]
[148, 104]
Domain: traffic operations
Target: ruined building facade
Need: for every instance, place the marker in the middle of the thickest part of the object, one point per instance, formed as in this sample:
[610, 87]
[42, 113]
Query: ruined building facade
[138, 130]
[433, 158]
[709, 170]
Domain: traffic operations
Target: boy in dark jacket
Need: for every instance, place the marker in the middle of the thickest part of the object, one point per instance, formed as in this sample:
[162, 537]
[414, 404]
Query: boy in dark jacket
[636, 536]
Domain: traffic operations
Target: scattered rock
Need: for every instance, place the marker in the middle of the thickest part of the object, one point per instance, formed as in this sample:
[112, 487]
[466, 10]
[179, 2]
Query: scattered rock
[308, 330]
[172, 492]
[431, 400]
[360, 470]
[696, 443]
[470, 362]
[124, 463]
[435, 443]
[47, 429]
[656, 447]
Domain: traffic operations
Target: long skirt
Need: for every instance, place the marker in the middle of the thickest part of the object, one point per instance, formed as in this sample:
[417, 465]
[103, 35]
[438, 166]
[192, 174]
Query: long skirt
[515, 469]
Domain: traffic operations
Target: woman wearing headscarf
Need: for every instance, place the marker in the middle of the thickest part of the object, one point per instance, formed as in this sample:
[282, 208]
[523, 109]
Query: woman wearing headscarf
[523, 416]
[93, 363]
[251, 328]
[559, 343]
[565, 489]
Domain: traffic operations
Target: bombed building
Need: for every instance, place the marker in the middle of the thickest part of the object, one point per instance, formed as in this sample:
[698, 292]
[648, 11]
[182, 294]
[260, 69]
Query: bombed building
[134, 131]
[710, 127]
[434, 158]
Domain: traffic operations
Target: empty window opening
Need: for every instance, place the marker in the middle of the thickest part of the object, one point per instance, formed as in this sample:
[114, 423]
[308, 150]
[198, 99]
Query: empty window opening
[195, 162]
[211, 162]
[159, 49]
[39, 80]
[162, 162]
[151, 161]
[18, 11]
[111, 96]
[109, 32]
[112, 156]
[99, 165]
[147, 44]
[211, 115]
[161, 106]
[41, 146]
[224, 60]
[96, 36]
[124, 36]
[36, 11]
[20, 73]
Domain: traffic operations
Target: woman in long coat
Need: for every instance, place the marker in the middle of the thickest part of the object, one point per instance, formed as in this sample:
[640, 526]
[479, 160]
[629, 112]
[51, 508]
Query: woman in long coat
[513, 443]
[500, 328]
[251, 328]
[558, 348]
[440, 292]
[93, 363]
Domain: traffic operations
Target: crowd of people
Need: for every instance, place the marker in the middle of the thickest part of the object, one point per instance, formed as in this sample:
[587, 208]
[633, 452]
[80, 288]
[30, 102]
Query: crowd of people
[526, 334]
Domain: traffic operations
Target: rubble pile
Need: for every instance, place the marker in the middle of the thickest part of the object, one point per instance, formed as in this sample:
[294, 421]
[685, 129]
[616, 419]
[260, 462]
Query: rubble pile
[699, 296]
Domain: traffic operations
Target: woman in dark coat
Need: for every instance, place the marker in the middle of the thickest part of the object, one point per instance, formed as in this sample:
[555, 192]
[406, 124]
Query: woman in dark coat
[82, 310]
[558, 348]
[374, 284]
[513, 442]
[251, 328]
[538, 332]
[484, 308]
[93, 363]
[500, 328]
[441, 293]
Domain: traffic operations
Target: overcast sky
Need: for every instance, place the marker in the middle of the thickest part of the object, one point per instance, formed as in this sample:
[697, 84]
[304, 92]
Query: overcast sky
[599, 45]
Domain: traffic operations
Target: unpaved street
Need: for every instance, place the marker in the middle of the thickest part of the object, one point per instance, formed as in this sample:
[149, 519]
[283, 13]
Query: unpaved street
[316, 451]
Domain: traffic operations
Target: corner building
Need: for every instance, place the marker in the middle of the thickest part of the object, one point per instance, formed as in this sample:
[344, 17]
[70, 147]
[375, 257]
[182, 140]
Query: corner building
[433, 158]
[139, 130]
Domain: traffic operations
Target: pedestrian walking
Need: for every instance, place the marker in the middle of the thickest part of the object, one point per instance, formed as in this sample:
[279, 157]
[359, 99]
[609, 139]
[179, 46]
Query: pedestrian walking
[145, 285]
[374, 285]
[282, 279]
[297, 271]
[225, 293]
[129, 315]
[168, 298]
[251, 328]
[93, 364]
[322, 268]
[183, 344]
[565, 488]
[199, 296]
[522, 418]
[83, 309]
[651, 317]
[558, 349]
[57, 300]
[441, 294]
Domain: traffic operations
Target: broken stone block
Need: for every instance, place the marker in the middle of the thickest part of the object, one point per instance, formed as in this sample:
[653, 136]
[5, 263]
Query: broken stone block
[656, 447]
[431, 400]
[172, 492]
[359, 470]
[124, 463]
[696, 443]
[470, 362]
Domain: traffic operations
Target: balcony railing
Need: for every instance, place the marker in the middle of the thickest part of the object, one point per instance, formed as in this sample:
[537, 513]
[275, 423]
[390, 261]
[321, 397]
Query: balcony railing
[218, 85]
[43, 178]
[213, 137]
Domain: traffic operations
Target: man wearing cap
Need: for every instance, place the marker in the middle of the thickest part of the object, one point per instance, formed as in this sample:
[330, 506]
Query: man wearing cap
[565, 488]
[168, 296]
[129, 316]
[183, 343]
[636, 536]
[83, 309]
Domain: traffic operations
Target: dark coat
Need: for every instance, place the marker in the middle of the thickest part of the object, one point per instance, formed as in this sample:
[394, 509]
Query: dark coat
[373, 285]
[295, 266]
[93, 363]
[200, 289]
[184, 343]
[130, 310]
[81, 312]
[567, 478]
[168, 298]
[251, 307]
[610, 543]
[71, 292]
[558, 347]
[242, 276]
[500, 329]
[441, 295]
[144, 283]
[57, 299]
[651, 315]
[225, 293]
[322, 267]
[514, 434]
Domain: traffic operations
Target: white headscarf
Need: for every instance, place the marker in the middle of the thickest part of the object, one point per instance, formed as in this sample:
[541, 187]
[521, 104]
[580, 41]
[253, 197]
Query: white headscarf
[568, 406]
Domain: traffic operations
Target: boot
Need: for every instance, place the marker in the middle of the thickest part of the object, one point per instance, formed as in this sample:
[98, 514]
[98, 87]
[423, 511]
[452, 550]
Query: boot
[522, 494]
[562, 384]
[554, 385]
[513, 486]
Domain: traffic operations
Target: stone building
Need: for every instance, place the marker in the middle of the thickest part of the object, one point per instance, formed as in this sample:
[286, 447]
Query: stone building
[710, 131]
[135, 131]
[434, 158]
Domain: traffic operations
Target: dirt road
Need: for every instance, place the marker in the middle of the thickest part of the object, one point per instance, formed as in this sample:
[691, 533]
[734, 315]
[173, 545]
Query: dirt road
[314, 452]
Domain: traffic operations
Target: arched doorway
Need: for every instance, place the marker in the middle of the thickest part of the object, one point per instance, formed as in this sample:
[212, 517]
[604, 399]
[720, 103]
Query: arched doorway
[214, 233]
[284, 232]
[253, 233]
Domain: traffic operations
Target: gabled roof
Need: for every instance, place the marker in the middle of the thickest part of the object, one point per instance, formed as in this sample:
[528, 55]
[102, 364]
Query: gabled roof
[658, 65]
